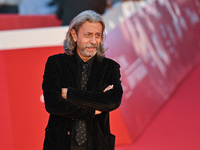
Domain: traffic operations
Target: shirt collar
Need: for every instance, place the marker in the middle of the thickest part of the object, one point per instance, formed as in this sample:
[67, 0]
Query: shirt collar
[90, 61]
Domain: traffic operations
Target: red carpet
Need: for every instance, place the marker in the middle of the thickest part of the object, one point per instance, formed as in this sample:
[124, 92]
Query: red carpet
[177, 125]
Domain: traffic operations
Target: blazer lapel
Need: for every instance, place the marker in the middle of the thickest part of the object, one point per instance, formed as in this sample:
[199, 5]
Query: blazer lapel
[73, 65]
[97, 72]
[96, 76]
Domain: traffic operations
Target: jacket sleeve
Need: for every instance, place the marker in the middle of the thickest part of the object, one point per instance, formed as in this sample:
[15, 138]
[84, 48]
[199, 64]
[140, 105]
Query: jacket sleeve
[103, 101]
[54, 103]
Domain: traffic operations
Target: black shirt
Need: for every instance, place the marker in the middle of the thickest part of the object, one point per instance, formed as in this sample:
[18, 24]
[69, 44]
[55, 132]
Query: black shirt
[80, 61]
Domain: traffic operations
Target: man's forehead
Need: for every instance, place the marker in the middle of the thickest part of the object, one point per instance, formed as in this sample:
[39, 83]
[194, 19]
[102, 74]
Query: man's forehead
[91, 27]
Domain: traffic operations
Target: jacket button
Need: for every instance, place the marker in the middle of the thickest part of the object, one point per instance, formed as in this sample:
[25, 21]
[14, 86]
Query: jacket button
[68, 132]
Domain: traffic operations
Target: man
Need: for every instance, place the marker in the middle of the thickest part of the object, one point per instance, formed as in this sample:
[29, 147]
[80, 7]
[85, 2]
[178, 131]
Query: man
[79, 99]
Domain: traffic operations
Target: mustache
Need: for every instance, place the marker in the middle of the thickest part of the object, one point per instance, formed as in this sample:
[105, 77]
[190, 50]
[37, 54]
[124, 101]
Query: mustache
[91, 46]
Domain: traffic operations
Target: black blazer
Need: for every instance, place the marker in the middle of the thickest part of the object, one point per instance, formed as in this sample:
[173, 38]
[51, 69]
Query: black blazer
[62, 71]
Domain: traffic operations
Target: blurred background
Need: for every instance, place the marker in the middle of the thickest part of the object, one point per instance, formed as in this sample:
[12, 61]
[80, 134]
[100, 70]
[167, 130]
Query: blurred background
[157, 44]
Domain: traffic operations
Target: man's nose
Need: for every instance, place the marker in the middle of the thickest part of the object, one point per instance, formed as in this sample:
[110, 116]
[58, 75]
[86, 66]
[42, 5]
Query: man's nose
[93, 40]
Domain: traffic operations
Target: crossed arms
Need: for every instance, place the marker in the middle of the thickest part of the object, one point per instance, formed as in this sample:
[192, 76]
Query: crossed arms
[97, 112]
[73, 103]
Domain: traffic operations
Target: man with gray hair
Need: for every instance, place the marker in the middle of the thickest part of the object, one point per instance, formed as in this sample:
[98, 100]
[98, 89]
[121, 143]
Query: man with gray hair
[81, 87]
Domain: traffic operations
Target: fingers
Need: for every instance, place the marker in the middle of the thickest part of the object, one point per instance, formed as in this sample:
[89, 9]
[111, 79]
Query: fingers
[64, 92]
[97, 112]
[108, 88]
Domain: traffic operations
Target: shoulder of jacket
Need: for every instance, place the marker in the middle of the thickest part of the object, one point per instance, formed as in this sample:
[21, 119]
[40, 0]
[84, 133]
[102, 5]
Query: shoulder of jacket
[58, 57]
[110, 62]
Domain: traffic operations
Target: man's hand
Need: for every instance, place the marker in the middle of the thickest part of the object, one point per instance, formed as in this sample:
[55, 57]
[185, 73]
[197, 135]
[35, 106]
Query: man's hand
[97, 112]
[64, 93]
[108, 88]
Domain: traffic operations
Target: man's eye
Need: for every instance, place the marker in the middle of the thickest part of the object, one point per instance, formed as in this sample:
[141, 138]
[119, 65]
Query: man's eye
[88, 35]
[98, 35]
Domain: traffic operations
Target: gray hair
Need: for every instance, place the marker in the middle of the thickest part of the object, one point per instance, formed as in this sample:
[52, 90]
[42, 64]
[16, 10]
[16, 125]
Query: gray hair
[90, 16]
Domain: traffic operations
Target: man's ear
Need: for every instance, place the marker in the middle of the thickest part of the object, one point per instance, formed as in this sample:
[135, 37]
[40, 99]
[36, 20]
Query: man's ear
[74, 36]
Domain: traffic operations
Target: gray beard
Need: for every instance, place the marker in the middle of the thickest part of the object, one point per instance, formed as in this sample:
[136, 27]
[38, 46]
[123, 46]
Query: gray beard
[84, 53]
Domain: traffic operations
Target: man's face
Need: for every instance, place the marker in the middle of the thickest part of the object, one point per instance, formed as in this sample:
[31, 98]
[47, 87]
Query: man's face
[88, 39]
